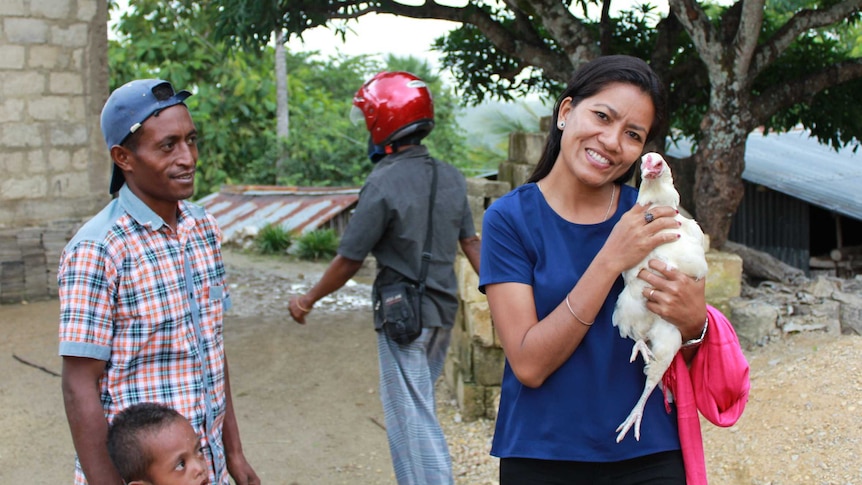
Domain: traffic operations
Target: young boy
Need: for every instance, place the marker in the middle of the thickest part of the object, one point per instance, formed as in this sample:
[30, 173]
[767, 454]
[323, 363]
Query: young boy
[152, 444]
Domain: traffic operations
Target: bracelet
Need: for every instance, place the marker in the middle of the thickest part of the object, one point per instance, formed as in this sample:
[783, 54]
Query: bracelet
[306, 310]
[697, 341]
[576, 316]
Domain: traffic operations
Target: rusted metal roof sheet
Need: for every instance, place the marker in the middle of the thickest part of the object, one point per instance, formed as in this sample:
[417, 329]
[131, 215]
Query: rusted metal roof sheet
[296, 209]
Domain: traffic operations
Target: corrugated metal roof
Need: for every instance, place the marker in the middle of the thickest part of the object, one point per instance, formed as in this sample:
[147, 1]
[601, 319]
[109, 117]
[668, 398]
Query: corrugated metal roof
[795, 164]
[297, 209]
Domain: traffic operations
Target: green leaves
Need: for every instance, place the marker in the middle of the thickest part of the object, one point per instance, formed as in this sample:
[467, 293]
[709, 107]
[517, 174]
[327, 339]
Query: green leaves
[234, 102]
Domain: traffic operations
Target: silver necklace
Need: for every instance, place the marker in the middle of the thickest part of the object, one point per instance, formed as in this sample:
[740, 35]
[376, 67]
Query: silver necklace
[611, 203]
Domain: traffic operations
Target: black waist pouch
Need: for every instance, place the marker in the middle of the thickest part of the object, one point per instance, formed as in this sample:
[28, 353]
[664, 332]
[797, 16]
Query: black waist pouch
[397, 311]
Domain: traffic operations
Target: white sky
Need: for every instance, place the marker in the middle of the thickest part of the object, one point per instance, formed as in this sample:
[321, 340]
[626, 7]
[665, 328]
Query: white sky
[377, 34]
[401, 36]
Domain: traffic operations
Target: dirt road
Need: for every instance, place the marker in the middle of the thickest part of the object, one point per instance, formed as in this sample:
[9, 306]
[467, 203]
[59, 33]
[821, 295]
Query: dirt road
[306, 396]
[309, 413]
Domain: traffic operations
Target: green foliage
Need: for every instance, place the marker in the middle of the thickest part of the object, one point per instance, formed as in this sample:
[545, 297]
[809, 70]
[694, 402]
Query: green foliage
[507, 50]
[816, 50]
[317, 244]
[234, 102]
[273, 239]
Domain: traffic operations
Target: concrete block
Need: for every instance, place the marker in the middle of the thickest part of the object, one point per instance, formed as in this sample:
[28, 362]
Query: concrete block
[52, 9]
[19, 84]
[477, 319]
[450, 371]
[60, 160]
[12, 275]
[81, 159]
[12, 163]
[65, 134]
[492, 402]
[22, 188]
[65, 83]
[20, 135]
[87, 9]
[75, 61]
[724, 279]
[517, 173]
[71, 185]
[477, 211]
[12, 57]
[488, 363]
[48, 108]
[461, 350]
[9, 250]
[36, 163]
[23, 30]
[526, 148]
[44, 57]
[11, 109]
[471, 400]
[468, 281]
[13, 8]
[487, 188]
[75, 35]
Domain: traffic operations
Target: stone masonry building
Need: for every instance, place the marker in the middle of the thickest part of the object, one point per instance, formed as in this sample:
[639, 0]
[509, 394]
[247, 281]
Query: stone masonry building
[54, 167]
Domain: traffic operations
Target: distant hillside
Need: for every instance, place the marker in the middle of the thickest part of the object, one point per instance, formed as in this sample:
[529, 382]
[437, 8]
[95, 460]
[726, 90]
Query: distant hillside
[489, 124]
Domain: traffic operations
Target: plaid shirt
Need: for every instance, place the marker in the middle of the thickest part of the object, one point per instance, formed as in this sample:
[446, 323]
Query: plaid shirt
[149, 301]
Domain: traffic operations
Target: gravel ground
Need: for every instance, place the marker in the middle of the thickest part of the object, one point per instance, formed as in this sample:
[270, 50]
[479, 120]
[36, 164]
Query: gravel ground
[801, 425]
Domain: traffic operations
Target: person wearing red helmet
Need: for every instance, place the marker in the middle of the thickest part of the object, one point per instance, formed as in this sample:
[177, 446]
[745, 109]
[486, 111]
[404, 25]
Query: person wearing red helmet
[390, 222]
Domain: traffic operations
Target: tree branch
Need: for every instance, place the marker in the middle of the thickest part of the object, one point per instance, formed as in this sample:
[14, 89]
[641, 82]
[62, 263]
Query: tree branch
[800, 90]
[799, 23]
[747, 36]
[522, 41]
[697, 24]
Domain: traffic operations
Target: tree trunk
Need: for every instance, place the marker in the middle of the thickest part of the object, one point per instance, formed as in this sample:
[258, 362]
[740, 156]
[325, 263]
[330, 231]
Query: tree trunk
[763, 266]
[720, 160]
[282, 116]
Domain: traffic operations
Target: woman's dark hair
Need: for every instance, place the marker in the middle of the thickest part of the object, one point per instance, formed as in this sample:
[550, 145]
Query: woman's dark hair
[126, 435]
[588, 80]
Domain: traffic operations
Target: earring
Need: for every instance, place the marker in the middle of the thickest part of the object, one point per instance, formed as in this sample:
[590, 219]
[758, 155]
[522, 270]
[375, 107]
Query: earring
[562, 124]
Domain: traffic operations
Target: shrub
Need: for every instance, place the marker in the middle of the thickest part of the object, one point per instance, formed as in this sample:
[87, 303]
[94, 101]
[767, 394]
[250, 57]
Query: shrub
[273, 239]
[318, 244]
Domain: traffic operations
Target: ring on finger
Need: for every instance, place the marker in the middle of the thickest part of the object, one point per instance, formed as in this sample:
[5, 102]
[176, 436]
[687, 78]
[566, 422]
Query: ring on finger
[648, 217]
[650, 294]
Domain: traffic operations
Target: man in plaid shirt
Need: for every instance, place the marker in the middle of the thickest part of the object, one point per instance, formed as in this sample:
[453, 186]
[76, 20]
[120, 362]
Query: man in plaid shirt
[142, 292]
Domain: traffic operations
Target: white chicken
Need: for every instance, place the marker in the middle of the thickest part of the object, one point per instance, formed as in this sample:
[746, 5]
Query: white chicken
[656, 339]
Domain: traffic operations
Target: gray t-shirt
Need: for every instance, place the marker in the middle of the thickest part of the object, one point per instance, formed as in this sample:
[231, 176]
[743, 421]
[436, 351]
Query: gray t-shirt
[390, 221]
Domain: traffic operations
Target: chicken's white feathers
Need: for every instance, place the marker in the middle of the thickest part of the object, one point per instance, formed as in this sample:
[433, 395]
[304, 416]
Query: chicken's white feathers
[656, 340]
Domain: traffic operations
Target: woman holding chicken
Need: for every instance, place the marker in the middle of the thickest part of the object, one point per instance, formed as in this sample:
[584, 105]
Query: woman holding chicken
[553, 251]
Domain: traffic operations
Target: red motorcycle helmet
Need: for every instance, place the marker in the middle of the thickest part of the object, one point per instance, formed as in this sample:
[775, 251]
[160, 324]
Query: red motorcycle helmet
[394, 105]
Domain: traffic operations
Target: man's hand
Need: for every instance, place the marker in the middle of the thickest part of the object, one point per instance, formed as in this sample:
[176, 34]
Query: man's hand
[298, 309]
[241, 470]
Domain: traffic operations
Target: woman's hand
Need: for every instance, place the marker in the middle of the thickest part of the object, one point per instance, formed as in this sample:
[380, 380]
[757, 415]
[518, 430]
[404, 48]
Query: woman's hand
[633, 238]
[676, 297]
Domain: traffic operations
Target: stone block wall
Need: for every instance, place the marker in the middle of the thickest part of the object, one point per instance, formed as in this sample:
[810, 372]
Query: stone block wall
[474, 367]
[54, 167]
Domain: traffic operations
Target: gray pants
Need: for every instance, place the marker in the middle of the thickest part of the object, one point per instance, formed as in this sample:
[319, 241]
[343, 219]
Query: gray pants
[419, 452]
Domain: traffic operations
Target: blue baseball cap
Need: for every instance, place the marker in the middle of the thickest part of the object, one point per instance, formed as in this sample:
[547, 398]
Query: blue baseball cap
[128, 107]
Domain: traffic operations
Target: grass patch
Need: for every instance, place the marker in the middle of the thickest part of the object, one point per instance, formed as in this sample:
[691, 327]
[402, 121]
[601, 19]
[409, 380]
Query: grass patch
[317, 244]
[273, 239]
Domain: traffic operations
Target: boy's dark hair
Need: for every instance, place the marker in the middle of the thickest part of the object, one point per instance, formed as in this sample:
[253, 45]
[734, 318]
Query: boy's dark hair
[126, 433]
